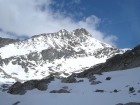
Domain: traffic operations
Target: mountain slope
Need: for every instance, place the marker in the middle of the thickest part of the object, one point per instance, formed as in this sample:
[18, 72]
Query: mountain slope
[59, 54]
[107, 92]
[130, 59]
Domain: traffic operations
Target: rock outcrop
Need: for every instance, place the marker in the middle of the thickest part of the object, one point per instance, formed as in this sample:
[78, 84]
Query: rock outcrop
[21, 88]
[129, 59]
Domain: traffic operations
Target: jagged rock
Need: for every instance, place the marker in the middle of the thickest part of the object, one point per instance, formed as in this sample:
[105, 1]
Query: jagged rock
[17, 88]
[127, 60]
[6, 41]
[21, 88]
[60, 91]
[76, 44]
[70, 79]
[42, 86]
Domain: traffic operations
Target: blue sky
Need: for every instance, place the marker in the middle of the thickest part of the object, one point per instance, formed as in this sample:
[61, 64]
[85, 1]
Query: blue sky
[115, 22]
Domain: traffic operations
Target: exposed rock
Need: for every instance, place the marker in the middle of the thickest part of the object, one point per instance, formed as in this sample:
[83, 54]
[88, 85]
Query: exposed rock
[131, 89]
[65, 87]
[29, 85]
[16, 103]
[138, 91]
[42, 86]
[6, 41]
[108, 78]
[99, 90]
[60, 91]
[129, 59]
[132, 103]
[115, 90]
[70, 79]
[95, 82]
[5, 85]
[119, 104]
[81, 81]
[19, 88]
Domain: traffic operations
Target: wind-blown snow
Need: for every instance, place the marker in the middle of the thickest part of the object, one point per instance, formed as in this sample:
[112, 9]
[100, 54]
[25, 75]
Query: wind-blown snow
[82, 93]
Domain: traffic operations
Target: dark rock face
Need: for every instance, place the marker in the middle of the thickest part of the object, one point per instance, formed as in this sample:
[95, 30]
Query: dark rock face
[60, 91]
[42, 86]
[132, 103]
[129, 59]
[6, 41]
[19, 88]
[70, 79]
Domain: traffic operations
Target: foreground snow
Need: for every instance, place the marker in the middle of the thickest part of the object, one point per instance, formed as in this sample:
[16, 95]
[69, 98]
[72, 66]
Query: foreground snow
[82, 93]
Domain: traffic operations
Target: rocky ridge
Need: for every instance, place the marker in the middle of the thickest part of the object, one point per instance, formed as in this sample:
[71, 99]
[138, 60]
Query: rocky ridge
[130, 59]
[52, 53]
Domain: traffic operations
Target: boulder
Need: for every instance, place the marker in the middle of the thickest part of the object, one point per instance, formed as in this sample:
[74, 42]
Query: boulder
[131, 90]
[108, 78]
[99, 90]
[60, 91]
[42, 86]
[115, 90]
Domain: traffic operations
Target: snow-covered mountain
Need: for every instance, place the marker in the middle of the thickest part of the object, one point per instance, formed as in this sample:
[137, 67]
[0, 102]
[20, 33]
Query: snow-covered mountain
[59, 54]
[94, 72]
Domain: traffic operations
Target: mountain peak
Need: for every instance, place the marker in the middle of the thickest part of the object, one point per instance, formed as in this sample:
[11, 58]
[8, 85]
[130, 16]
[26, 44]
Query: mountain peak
[82, 31]
[60, 54]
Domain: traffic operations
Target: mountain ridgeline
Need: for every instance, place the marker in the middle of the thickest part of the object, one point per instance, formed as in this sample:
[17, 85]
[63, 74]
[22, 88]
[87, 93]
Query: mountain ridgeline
[59, 54]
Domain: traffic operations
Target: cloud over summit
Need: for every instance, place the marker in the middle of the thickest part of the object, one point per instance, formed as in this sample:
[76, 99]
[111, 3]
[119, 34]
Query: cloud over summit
[34, 17]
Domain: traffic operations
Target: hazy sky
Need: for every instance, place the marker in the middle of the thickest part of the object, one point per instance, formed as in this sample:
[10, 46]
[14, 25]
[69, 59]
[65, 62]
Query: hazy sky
[116, 22]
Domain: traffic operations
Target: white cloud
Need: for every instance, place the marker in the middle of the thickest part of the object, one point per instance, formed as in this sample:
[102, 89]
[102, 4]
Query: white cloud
[34, 17]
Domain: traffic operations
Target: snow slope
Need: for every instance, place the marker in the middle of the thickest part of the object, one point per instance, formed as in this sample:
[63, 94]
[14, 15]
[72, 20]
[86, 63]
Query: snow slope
[82, 93]
[61, 53]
